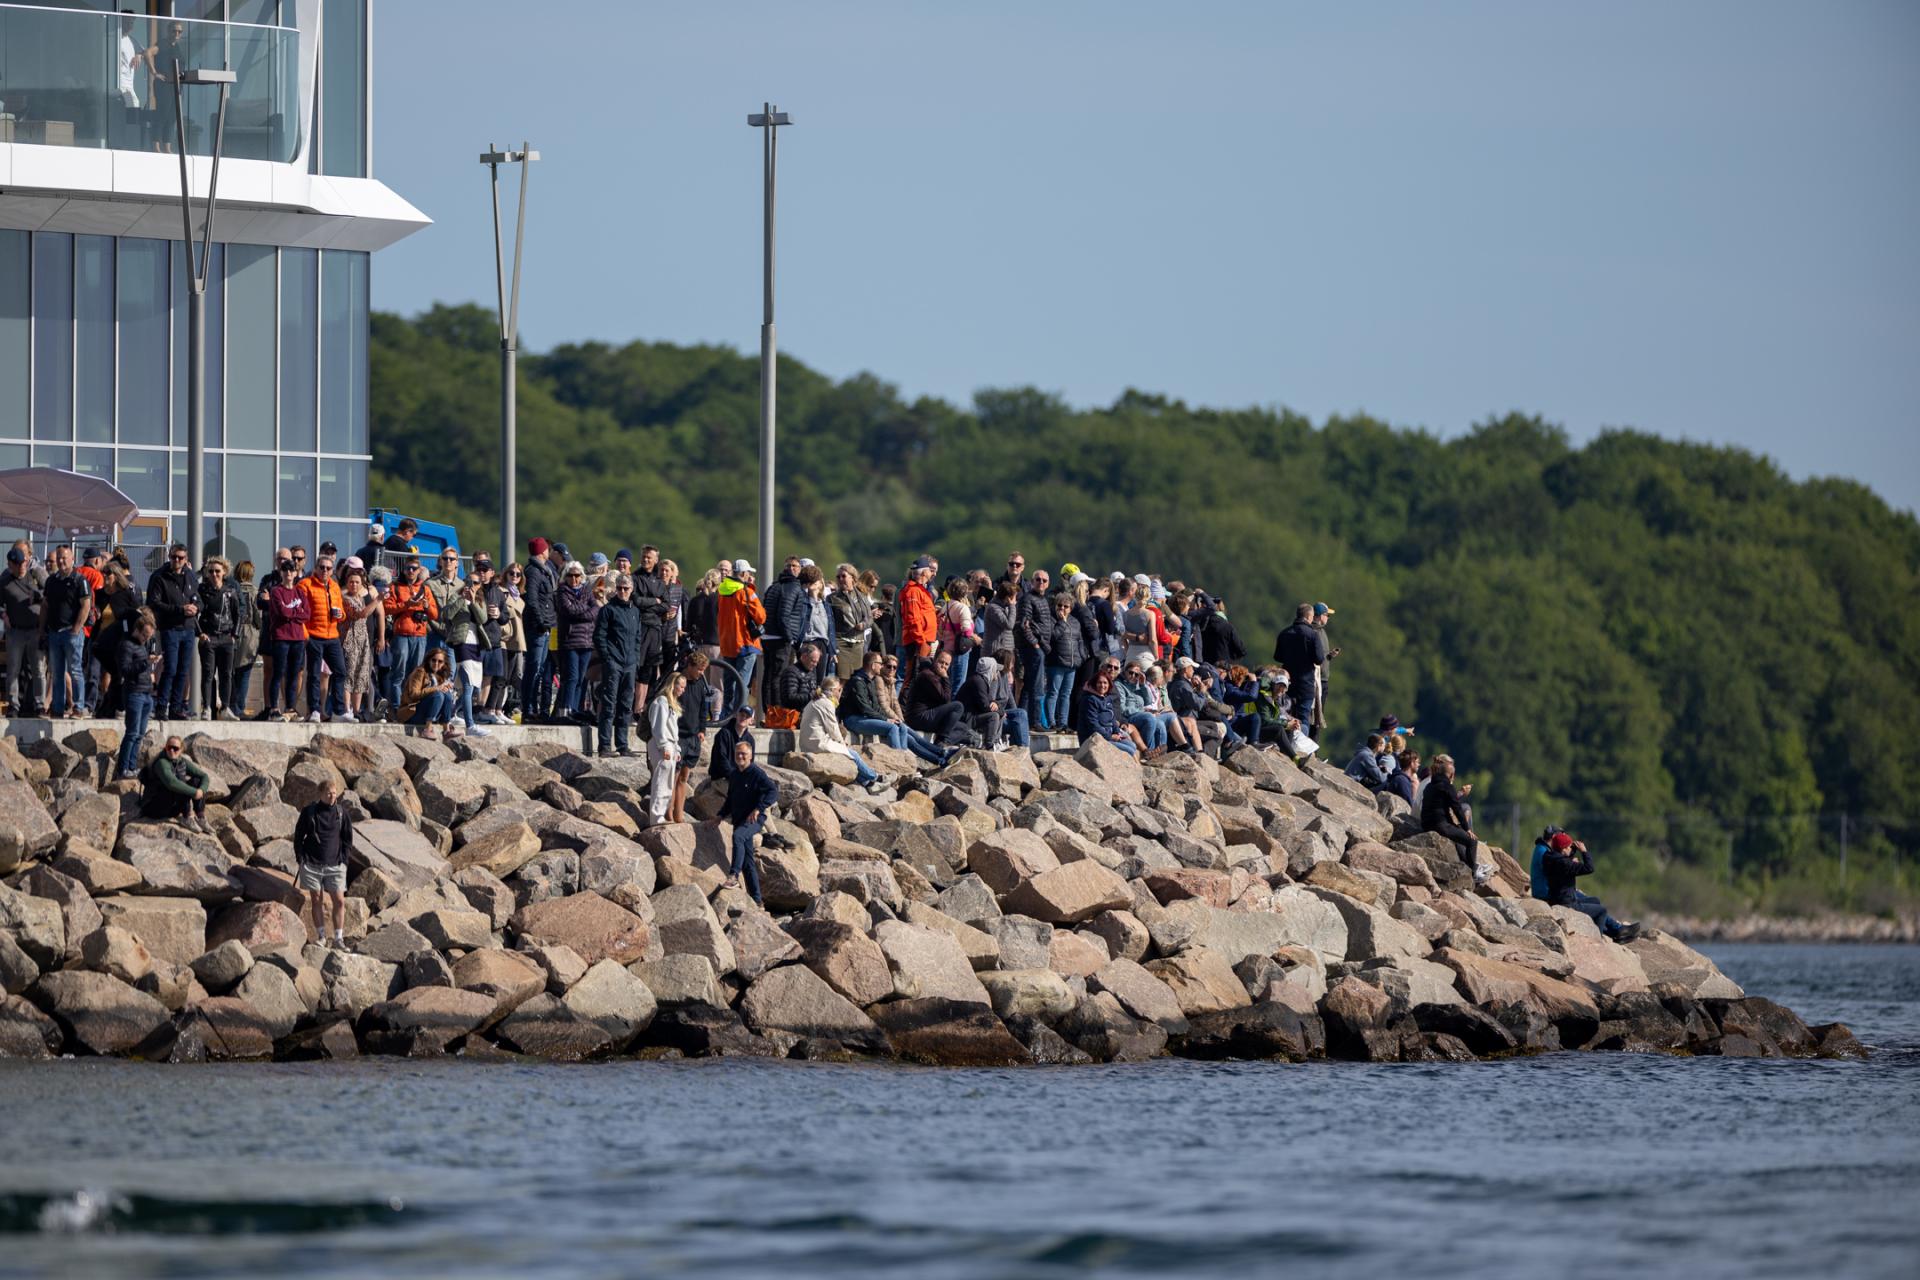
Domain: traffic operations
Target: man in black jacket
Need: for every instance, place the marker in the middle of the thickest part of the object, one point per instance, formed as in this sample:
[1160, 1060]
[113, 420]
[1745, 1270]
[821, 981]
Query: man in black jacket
[174, 596]
[725, 739]
[1032, 622]
[24, 601]
[543, 583]
[221, 610]
[1220, 643]
[931, 707]
[69, 603]
[786, 605]
[800, 683]
[322, 844]
[751, 795]
[650, 595]
[1565, 860]
[616, 642]
[1301, 648]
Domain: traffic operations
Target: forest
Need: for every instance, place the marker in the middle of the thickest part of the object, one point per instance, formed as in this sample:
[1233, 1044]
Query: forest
[1708, 669]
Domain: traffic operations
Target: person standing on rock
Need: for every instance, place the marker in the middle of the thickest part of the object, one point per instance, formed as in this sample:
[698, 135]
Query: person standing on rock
[751, 795]
[1562, 860]
[137, 668]
[322, 843]
[1301, 649]
[1443, 809]
[174, 789]
[540, 615]
[616, 636]
[663, 746]
[173, 594]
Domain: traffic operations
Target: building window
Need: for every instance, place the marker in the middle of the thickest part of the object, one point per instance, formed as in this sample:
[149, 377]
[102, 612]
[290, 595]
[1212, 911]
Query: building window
[141, 474]
[144, 315]
[93, 338]
[296, 486]
[252, 540]
[251, 326]
[254, 482]
[299, 347]
[16, 333]
[343, 89]
[343, 352]
[52, 336]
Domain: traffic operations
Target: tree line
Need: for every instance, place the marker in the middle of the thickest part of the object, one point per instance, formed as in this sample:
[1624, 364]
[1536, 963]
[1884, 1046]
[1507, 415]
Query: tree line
[1703, 660]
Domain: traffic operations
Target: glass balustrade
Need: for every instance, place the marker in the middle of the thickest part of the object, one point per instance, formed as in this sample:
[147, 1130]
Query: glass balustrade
[70, 78]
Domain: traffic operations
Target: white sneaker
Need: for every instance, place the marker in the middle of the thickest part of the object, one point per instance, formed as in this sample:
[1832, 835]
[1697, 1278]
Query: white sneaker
[313, 717]
[345, 717]
[480, 731]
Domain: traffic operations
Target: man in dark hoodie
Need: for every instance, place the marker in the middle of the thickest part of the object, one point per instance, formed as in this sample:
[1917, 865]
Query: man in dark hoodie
[543, 584]
[322, 843]
[173, 593]
[786, 605]
[1301, 649]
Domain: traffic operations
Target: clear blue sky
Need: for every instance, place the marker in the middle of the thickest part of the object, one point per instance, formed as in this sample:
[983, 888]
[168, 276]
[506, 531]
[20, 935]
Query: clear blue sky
[1699, 219]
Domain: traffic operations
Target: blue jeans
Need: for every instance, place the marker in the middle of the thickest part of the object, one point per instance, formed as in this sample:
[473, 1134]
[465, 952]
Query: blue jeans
[464, 699]
[962, 664]
[435, 708]
[897, 736]
[289, 657]
[1153, 728]
[1032, 690]
[536, 679]
[863, 772]
[1059, 701]
[573, 680]
[176, 656]
[139, 711]
[64, 650]
[328, 655]
[242, 684]
[744, 863]
[408, 653]
[1019, 732]
[1124, 744]
[1303, 702]
[743, 662]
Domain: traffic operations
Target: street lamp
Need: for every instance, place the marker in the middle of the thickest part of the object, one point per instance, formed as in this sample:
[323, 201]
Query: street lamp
[769, 121]
[197, 318]
[493, 158]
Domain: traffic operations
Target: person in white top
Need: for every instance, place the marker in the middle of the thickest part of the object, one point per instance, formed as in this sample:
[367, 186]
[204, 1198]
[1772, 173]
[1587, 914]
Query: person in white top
[663, 746]
[820, 733]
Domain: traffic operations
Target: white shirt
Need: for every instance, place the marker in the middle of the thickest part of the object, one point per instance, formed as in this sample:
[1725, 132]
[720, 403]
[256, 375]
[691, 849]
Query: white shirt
[129, 58]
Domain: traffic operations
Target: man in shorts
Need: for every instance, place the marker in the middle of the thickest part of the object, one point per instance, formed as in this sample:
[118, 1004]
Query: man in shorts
[322, 842]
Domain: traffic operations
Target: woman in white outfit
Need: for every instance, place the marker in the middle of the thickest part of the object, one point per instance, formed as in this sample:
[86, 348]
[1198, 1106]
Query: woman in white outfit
[663, 746]
[820, 733]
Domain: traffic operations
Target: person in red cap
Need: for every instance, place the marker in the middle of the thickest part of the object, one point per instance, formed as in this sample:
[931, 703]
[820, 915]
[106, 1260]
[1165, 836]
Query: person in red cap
[1558, 859]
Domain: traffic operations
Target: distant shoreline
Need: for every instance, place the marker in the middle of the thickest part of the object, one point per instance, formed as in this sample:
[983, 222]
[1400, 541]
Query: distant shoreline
[1757, 928]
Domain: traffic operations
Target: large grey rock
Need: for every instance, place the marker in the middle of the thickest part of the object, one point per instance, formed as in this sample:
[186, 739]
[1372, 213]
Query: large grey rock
[223, 966]
[845, 957]
[794, 999]
[1067, 895]
[1140, 993]
[309, 778]
[927, 963]
[92, 821]
[37, 926]
[1025, 943]
[1298, 918]
[17, 969]
[543, 1027]
[393, 942]
[970, 900]
[685, 923]
[508, 976]
[682, 979]
[402, 854]
[112, 950]
[267, 822]
[423, 1021]
[614, 1000]
[274, 996]
[594, 928]
[758, 943]
[25, 1032]
[1034, 993]
[448, 930]
[176, 862]
[1371, 932]
[99, 1014]
[502, 850]
[172, 929]
[77, 910]
[27, 830]
[452, 793]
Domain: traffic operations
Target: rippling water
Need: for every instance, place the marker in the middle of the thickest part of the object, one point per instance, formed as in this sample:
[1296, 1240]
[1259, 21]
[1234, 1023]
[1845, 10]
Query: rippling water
[1567, 1163]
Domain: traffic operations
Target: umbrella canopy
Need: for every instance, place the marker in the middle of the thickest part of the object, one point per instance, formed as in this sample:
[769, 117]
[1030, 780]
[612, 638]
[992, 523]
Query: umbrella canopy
[51, 501]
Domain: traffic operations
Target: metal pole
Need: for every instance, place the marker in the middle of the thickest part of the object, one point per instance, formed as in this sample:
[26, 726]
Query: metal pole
[767, 354]
[509, 301]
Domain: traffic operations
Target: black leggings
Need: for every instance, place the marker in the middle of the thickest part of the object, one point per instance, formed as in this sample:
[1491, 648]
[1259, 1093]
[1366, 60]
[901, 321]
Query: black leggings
[1462, 838]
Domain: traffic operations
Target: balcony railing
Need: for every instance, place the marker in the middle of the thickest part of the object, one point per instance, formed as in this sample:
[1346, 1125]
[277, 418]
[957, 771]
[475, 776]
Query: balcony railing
[70, 78]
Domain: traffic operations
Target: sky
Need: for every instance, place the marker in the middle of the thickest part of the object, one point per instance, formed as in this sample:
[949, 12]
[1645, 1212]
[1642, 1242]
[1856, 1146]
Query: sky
[1699, 220]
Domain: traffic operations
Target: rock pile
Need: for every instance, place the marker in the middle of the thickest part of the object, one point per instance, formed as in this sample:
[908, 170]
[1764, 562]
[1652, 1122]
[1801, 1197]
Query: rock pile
[1008, 909]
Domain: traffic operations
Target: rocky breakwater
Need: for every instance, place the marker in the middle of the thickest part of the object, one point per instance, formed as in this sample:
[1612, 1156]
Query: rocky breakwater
[1008, 909]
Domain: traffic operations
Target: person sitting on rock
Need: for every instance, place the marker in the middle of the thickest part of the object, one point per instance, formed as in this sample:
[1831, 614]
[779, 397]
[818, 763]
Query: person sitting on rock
[174, 789]
[820, 733]
[322, 843]
[1443, 809]
[1563, 860]
[1401, 780]
[751, 795]
[1365, 768]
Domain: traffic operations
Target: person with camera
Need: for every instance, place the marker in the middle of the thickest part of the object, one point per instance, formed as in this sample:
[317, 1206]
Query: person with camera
[1558, 860]
[412, 611]
[1443, 808]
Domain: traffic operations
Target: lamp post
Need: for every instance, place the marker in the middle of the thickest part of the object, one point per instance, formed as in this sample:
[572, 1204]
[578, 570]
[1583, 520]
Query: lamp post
[768, 121]
[493, 158]
[197, 318]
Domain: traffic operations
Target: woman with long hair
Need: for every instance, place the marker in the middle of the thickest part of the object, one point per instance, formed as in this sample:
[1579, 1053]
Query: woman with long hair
[364, 635]
[426, 697]
[663, 747]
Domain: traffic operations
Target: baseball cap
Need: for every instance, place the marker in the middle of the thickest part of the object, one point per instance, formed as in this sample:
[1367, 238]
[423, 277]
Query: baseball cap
[16, 556]
[561, 547]
[1183, 664]
[1116, 576]
[93, 551]
[1077, 579]
[1561, 841]
[1389, 723]
[924, 562]
[598, 560]
[1159, 592]
[355, 562]
[1322, 610]
[376, 531]
[1142, 580]
[806, 563]
[741, 566]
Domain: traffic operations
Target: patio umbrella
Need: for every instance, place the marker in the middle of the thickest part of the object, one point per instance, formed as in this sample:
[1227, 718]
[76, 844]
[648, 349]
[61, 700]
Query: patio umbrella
[49, 501]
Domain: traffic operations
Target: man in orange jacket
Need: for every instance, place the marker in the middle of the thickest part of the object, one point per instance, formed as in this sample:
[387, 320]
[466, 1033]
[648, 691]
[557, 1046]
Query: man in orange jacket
[919, 618]
[411, 609]
[325, 610]
[741, 616]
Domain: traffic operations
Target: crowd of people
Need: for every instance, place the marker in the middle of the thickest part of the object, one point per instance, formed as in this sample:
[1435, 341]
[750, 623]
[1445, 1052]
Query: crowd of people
[927, 665]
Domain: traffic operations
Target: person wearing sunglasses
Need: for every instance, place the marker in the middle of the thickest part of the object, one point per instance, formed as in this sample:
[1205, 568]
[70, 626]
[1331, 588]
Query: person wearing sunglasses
[173, 593]
[174, 789]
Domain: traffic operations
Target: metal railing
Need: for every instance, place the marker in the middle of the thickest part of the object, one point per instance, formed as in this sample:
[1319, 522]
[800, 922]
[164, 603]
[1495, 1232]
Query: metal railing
[71, 78]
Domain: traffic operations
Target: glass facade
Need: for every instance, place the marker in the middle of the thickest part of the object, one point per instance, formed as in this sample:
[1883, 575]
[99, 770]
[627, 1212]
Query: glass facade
[93, 373]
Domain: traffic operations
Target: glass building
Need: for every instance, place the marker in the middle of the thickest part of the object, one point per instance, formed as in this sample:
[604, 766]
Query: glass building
[93, 276]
